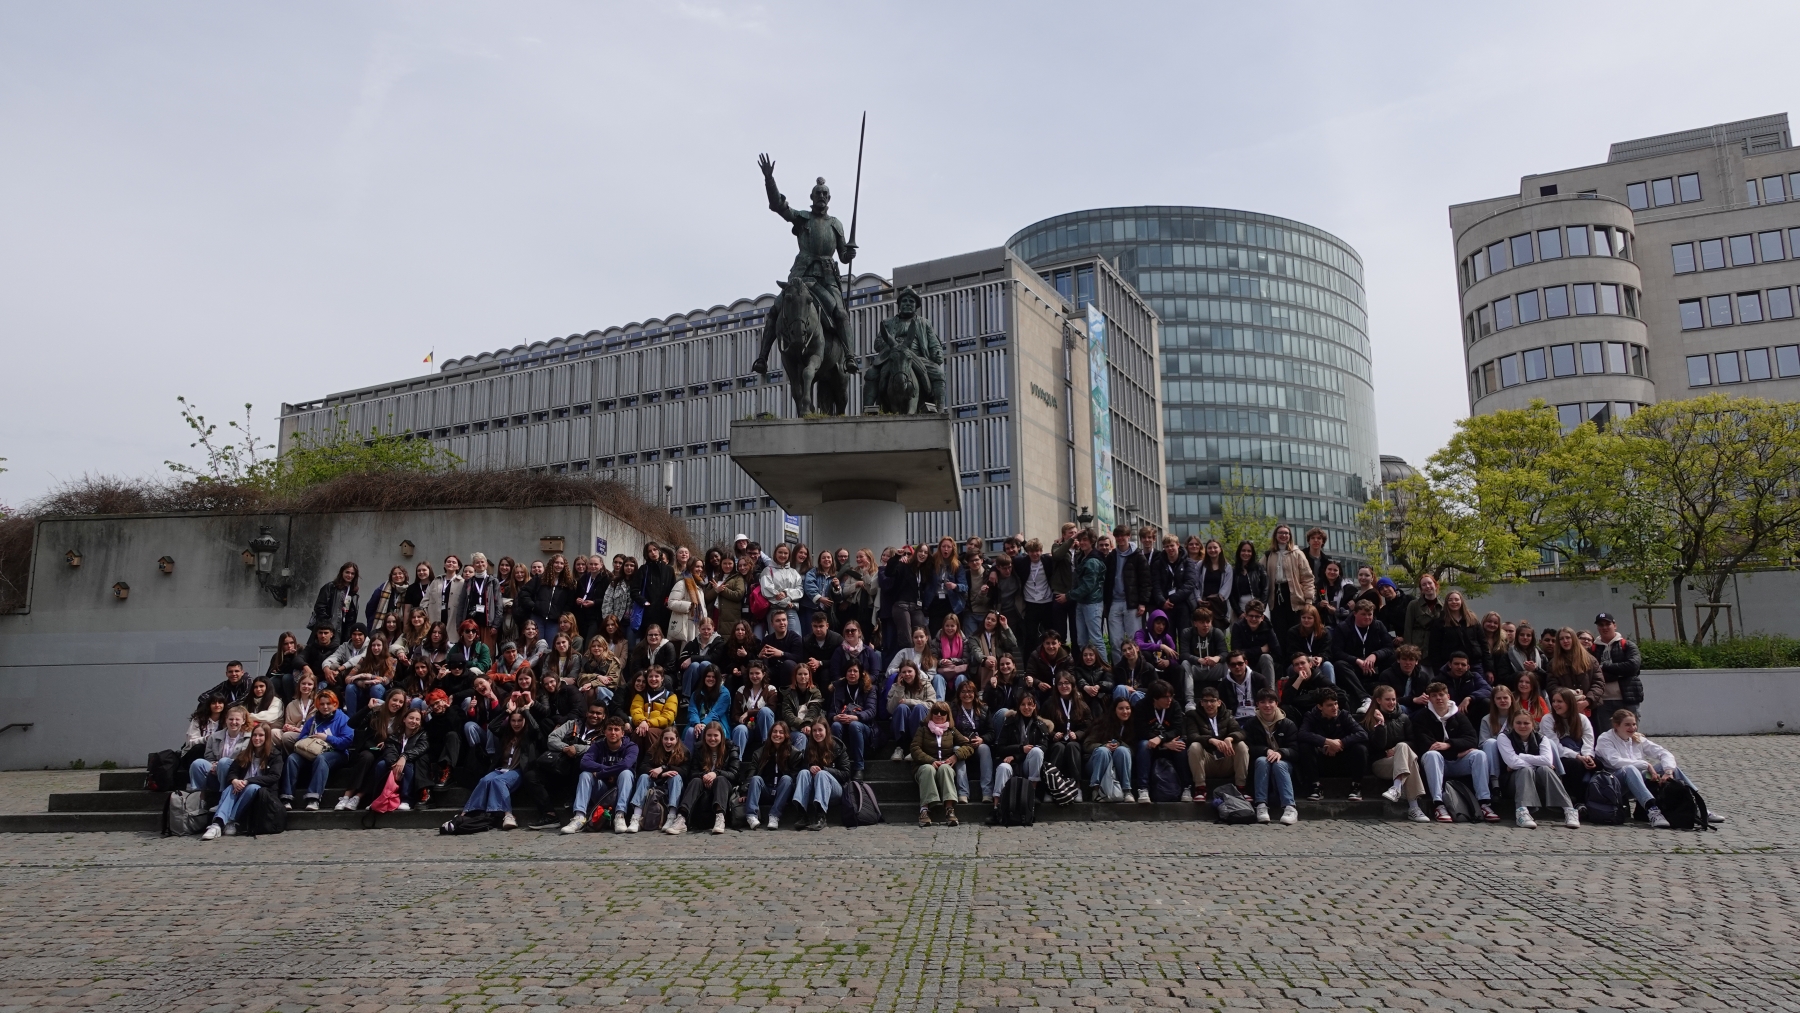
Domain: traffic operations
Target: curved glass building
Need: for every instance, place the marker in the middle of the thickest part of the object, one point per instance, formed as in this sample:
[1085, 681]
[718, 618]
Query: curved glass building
[1265, 354]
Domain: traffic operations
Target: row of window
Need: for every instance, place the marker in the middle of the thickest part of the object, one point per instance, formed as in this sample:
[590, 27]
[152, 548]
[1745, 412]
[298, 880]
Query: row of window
[1546, 244]
[1774, 189]
[1585, 359]
[1662, 192]
[1751, 308]
[1584, 299]
[1732, 251]
[1597, 412]
[1747, 366]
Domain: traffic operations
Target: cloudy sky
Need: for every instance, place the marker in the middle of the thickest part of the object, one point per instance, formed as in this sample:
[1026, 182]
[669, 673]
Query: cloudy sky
[266, 202]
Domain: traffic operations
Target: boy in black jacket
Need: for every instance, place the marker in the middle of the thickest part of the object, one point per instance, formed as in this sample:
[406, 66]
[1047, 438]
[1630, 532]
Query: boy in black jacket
[1273, 742]
[1446, 744]
[1332, 742]
[1202, 654]
[1156, 723]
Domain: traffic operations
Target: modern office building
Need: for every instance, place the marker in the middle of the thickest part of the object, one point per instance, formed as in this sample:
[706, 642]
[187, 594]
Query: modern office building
[651, 403]
[1664, 272]
[1265, 356]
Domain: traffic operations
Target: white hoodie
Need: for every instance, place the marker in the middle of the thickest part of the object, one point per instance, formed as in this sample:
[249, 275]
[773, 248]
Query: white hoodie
[1615, 753]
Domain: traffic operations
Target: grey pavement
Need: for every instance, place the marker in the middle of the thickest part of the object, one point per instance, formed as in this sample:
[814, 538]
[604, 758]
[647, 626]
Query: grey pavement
[1080, 916]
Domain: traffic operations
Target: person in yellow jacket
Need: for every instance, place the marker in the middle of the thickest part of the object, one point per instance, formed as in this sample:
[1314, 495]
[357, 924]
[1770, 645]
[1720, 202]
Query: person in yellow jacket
[653, 709]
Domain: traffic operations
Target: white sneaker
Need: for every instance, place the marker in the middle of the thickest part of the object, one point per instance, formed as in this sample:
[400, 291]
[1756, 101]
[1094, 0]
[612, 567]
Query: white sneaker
[344, 802]
[676, 826]
[1522, 817]
[636, 823]
[1262, 812]
[1392, 794]
[507, 822]
[1289, 816]
[1143, 797]
[1187, 794]
[774, 823]
[899, 754]
[574, 826]
[1657, 819]
[213, 832]
[1416, 814]
[619, 826]
[1572, 818]
[752, 822]
[312, 805]
[718, 823]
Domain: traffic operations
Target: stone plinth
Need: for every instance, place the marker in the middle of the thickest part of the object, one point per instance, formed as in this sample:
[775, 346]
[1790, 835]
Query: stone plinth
[856, 476]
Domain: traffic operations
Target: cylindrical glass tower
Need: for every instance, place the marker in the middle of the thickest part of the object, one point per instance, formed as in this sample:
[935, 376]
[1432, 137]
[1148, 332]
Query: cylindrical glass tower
[1265, 355]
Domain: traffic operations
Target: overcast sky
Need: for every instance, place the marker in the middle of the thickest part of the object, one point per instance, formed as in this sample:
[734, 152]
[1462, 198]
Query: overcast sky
[265, 202]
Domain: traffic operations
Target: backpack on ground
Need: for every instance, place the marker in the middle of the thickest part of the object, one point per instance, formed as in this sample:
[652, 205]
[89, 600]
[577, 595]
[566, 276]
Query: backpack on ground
[1109, 787]
[161, 771]
[655, 810]
[1018, 803]
[860, 807]
[1231, 806]
[1165, 782]
[1605, 803]
[605, 808]
[1682, 806]
[185, 815]
[263, 814]
[467, 823]
[737, 811]
[1060, 788]
[1460, 799]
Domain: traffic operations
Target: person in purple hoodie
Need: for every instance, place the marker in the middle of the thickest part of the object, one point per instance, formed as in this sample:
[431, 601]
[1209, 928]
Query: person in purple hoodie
[608, 763]
[1157, 646]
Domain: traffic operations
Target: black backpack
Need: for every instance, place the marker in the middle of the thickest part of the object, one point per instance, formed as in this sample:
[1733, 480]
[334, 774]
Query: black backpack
[1018, 803]
[1605, 803]
[737, 811]
[860, 807]
[1231, 806]
[604, 809]
[161, 771]
[1682, 806]
[655, 810]
[1060, 788]
[1165, 782]
[467, 823]
[264, 814]
[1460, 799]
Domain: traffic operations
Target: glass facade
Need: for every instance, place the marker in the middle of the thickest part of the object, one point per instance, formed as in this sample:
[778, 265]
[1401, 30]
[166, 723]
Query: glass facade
[1266, 373]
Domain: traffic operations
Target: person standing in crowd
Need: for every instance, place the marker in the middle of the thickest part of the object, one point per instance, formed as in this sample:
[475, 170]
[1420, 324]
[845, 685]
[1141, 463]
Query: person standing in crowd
[1619, 662]
[1248, 582]
[1033, 571]
[1391, 607]
[1127, 591]
[442, 598]
[782, 588]
[1457, 631]
[388, 599]
[654, 580]
[1290, 578]
[335, 609]
[1173, 580]
[1087, 592]
[1422, 614]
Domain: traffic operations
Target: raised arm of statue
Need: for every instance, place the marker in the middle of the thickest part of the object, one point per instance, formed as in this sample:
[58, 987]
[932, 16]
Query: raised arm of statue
[777, 203]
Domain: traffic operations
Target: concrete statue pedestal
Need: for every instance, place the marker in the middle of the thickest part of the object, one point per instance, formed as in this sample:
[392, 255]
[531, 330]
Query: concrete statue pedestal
[856, 476]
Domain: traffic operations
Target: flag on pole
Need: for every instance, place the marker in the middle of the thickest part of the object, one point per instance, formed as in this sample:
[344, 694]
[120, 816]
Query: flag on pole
[430, 356]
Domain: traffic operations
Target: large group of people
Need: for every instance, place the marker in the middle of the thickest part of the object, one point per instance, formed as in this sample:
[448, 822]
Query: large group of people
[661, 692]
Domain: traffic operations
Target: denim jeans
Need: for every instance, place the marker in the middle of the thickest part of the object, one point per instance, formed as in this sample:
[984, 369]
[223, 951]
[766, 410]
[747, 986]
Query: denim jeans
[783, 791]
[1283, 778]
[1121, 622]
[1118, 759]
[672, 785]
[1123, 692]
[857, 737]
[690, 677]
[493, 793]
[906, 720]
[821, 788]
[319, 771]
[1090, 625]
[232, 802]
[1143, 760]
[1473, 765]
[1633, 780]
[589, 782]
[1492, 748]
[478, 735]
[204, 773]
[1034, 765]
[740, 734]
[984, 766]
[357, 697]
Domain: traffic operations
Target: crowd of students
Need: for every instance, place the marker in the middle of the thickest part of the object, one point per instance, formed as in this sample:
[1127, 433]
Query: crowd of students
[1128, 664]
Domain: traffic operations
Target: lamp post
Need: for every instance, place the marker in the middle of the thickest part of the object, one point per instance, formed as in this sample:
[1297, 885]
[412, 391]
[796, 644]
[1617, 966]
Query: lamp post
[262, 548]
[1085, 517]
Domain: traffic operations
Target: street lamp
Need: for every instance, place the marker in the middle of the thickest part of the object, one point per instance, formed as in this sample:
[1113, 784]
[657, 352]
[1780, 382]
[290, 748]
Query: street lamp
[262, 548]
[1085, 517]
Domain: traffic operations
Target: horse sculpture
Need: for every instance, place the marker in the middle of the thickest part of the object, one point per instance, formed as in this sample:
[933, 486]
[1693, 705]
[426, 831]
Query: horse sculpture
[806, 356]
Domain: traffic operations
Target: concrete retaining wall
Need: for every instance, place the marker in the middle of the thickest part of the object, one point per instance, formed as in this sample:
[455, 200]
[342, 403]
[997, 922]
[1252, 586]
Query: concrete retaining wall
[1721, 701]
[103, 679]
[1762, 603]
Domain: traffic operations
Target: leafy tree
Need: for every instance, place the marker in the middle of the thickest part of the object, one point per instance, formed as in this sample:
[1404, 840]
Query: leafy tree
[242, 459]
[1243, 517]
[309, 460]
[1429, 531]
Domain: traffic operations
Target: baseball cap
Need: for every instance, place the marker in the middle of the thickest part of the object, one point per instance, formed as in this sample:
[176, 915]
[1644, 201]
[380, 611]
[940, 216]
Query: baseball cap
[1605, 617]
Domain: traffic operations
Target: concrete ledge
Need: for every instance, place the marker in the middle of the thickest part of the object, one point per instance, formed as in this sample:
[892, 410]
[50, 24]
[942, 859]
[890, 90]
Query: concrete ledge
[1720, 701]
[910, 459]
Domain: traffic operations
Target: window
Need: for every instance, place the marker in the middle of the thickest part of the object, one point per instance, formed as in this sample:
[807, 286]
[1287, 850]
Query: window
[1562, 360]
[1475, 391]
[1773, 190]
[1718, 311]
[1689, 185]
[1609, 299]
[1637, 360]
[1490, 382]
[1699, 371]
[1690, 315]
[1781, 304]
[1503, 313]
[1556, 302]
[1756, 364]
[1771, 246]
[1509, 371]
[1569, 415]
[1750, 190]
[1683, 254]
[1536, 368]
[1615, 357]
[1528, 307]
[1469, 329]
[1787, 361]
[1590, 358]
[1521, 250]
[1578, 241]
[1742, 252]
[1662, 191]
[1631, 302]
[1480, 262]
[1484, 319]
[1497, 258]
[1548, 190]
[1603, 245]
[1728, 368]
[1637, 195]
[1749, 307]
[1584, 300]
[1712, 254]
[1549, 244]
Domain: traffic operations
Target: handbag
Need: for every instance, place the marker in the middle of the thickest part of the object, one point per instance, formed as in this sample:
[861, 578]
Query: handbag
[310, 748]
[389, 799]
[759, 605]
[637, 617]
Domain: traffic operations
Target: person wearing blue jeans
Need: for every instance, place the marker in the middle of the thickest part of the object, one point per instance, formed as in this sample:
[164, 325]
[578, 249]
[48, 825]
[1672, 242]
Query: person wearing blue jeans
[208, 770]
[608, 763]
[852, 711]
[1021, 745]
[1274, 742]
[908, 702]
[771, 773]
[331, 726]
[824, 767]
[971, 720]
[1639, 763]
[1446, 744]
[258, 766]
[753, 708]
[1156, 722]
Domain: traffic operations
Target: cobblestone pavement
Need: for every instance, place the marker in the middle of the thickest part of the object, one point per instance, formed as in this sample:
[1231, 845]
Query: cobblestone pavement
[1089, 916]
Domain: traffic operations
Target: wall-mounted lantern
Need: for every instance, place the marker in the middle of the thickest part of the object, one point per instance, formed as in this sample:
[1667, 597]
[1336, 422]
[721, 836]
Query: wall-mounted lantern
[406, 548]
[262, 554]
[166, 564]
[550, 543]
[121, 590]
[74, 557]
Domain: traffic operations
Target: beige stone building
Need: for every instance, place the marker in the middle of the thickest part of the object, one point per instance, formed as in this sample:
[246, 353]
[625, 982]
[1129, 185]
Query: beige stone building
[1667, 271]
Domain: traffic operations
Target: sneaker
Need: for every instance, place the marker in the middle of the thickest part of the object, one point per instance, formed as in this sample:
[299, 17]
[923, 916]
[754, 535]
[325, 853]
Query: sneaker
[899, 754]
[1392, 794]
[213, 832]
[424, 798]
[1572, 818]
[546, 821]
[1143, 797]
[1289, 816]
[1416, 814]
[231, 830]
[344, 802]
[1522, 818]
[774, 823]
[924, 816]
[818, 822]
[1315, 795]
[752, 822]
[1187, 795]
[1355, 795]
[312, 805]
[1488, 815]
[508, 822]
[287, 802]
[443, 778]
[575, 824]
[1713, 817]
[404, 807]
[636, 824]
[950, 814]
[677, 826]
[1262, 812]
[621, 826]
[963, 797]
[1441, 813]
[1657, 819]
[718, 823]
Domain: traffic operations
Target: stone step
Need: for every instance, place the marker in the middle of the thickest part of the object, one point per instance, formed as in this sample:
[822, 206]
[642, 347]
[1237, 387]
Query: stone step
[137, 800]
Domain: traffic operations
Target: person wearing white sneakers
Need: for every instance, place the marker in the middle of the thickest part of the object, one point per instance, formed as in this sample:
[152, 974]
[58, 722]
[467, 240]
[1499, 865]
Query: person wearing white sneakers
[257, 767]
[608, 763]
[1640, 763]
[517, 742]
[712, 771]
[1273, 742]
[771, 774]
[1531, 759]
[1391, 755]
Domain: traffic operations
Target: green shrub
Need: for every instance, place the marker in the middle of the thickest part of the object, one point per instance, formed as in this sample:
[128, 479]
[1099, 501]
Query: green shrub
[1758, 651]
[1667, 654]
